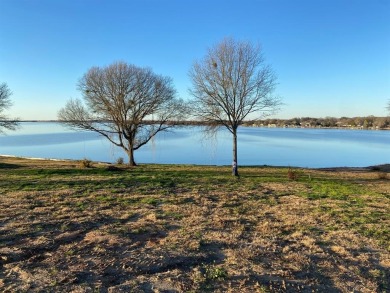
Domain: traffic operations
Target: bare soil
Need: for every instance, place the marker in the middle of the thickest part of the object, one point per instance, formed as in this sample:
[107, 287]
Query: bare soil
[192, 229]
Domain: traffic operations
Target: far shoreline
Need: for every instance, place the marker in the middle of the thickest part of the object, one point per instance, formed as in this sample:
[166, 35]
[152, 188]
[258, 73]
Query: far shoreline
[245, 124]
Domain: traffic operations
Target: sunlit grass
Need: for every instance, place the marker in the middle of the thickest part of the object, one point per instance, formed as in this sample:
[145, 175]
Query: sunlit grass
[224, 225]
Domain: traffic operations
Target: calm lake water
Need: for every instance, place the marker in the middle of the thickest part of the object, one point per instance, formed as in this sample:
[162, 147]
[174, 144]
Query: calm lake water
[187, 145]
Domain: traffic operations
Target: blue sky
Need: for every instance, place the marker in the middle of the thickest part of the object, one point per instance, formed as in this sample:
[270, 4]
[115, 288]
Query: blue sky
[332, 57]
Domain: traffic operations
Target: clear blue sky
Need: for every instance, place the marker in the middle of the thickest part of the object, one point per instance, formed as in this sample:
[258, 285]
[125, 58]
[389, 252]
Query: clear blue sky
[332, 57]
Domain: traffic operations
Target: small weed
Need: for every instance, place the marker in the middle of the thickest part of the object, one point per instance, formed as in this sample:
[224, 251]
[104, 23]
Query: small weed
[150, 200]
[212, 272]
[292, 174]
[120, 161]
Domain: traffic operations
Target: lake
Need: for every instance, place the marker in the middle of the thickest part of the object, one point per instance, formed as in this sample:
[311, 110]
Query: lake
[297, 147]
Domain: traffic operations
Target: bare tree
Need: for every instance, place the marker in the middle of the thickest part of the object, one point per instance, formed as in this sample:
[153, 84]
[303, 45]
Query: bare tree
[388, 106]
[126, 104]
[231, 82]
[5, 103]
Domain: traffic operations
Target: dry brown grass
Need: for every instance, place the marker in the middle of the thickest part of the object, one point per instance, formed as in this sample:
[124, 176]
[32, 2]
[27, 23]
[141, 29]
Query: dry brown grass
[191, 229]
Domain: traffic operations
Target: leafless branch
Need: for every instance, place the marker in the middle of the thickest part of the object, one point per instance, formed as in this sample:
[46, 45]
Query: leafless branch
[5, 103]
[230, 83]
[124, 95]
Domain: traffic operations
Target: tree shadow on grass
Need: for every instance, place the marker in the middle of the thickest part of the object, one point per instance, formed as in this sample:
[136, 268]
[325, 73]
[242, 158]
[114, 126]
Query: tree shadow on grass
[9, 166]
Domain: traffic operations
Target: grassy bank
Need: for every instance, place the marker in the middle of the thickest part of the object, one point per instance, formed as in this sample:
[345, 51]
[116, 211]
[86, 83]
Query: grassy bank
[166, 228]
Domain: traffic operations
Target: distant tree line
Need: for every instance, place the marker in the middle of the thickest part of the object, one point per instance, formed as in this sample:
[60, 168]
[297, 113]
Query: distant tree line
[368, 122]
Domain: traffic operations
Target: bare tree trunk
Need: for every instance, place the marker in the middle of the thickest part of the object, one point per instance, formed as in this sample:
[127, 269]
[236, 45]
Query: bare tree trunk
[235, 164]
[230, 83]
[130, 153]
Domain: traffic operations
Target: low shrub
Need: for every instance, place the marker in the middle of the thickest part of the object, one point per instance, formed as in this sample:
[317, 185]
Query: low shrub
[292, 174]
[85, 163]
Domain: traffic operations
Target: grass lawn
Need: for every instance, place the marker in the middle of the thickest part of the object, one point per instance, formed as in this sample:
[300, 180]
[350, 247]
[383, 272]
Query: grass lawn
[176, 228]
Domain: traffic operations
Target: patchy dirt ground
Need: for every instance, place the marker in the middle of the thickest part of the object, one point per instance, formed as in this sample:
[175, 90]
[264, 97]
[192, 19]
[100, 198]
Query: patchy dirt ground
[192, 229]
